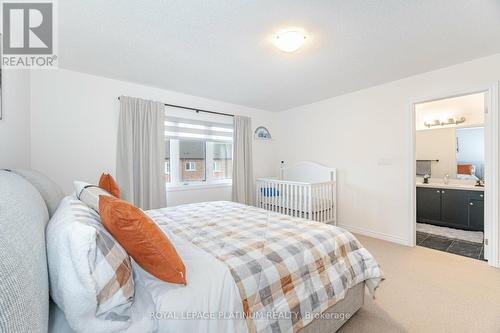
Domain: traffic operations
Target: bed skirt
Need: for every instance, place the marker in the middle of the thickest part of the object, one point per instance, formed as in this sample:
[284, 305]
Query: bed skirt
[337, 315]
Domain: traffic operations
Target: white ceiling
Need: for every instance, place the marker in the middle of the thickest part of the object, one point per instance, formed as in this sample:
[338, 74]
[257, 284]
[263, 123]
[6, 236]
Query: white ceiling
[471, 107]
[221, 49]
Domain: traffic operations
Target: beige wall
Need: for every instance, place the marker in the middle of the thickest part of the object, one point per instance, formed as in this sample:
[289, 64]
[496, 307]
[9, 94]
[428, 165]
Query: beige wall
[471, 107]
[438, 144]
[75, 119]
[15, 125]
[366, 135]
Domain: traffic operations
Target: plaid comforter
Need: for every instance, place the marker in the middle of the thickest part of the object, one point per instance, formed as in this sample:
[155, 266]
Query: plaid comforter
[287, 269]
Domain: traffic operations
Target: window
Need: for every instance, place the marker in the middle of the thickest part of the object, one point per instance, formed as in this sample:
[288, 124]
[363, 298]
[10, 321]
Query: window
[190, 166]
[192, 160]
[217, 167]
[223, 160]
[199, 149]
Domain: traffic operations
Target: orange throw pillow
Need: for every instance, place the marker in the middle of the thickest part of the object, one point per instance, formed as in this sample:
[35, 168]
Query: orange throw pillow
[108, 183]
[143, 240]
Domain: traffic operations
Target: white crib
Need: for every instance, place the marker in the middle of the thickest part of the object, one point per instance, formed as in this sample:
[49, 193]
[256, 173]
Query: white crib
[305, 189]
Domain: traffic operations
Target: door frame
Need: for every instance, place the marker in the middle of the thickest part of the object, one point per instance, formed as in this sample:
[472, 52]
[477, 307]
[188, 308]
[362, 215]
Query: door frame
[491, 170]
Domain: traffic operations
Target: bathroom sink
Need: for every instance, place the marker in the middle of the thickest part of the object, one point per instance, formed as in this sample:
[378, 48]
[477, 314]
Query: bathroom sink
[451, 185]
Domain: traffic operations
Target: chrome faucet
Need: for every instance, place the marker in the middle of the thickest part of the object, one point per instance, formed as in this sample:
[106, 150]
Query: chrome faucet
[446, 179]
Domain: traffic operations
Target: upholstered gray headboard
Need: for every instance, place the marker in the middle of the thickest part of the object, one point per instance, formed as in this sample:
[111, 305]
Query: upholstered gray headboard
[24, 286]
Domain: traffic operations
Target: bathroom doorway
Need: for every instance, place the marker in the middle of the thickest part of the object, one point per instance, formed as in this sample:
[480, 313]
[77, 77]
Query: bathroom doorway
[454, 173]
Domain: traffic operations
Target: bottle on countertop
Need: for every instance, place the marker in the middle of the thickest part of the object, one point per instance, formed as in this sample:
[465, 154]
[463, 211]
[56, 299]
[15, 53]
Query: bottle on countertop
[480, 182]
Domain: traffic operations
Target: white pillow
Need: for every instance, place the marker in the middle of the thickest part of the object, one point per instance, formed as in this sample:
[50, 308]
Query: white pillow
[89, 194]
[91, 276]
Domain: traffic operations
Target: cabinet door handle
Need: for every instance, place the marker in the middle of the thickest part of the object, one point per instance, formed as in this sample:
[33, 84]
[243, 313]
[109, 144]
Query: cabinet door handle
[471, 203]
[481, 195]
[442, 191]
[438, 191]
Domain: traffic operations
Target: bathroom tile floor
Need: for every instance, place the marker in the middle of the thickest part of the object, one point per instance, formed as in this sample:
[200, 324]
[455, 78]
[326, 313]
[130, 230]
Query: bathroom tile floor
[451, 245]
[471, 236]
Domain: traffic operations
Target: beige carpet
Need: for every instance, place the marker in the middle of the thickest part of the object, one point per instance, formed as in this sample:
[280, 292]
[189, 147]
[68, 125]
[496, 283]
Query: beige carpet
[428, 291]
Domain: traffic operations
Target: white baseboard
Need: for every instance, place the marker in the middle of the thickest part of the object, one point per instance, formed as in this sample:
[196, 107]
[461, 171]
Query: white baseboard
[376, 234]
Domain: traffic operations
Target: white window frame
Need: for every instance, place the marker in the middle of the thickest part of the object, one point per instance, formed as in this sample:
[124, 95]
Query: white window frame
[190, 166]
[209, 182]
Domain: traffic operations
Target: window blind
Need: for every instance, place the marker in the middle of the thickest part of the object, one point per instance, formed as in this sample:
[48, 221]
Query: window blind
[191, 129]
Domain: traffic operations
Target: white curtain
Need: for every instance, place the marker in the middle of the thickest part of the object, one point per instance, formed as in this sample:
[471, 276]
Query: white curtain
[243, 181]
[140, 166]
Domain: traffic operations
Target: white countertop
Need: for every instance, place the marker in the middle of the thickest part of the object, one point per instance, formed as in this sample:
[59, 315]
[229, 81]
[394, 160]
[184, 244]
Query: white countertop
[451, 186]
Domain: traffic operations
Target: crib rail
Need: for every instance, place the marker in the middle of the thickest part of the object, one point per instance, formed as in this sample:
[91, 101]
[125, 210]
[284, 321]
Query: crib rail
[312, 201]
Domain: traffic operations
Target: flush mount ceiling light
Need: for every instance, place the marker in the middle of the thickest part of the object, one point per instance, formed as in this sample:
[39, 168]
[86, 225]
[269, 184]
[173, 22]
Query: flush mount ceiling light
[289, 40]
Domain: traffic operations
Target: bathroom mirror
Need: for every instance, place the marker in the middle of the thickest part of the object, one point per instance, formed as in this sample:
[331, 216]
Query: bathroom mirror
[470, 153]
[450, 138]
[456, 152]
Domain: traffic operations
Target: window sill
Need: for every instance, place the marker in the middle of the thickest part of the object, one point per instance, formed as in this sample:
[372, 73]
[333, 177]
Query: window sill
[197, 186]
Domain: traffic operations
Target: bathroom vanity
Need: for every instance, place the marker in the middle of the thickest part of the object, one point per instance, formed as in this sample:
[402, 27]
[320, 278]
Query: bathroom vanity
[451, 205]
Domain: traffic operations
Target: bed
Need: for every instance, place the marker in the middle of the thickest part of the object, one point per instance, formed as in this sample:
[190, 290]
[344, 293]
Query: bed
[218, 241]
[304, 189]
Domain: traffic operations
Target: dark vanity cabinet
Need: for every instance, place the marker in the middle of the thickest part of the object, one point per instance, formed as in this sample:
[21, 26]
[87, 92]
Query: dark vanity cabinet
[454, 208]
[461, 209]
[476, 211]
[428, 204]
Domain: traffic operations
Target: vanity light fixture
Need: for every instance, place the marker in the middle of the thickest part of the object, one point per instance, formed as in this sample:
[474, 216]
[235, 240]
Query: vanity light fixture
[289, 40]
[449, 121]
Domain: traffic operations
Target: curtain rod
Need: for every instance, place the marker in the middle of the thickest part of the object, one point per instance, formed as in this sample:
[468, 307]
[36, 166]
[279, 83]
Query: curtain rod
[197, 110]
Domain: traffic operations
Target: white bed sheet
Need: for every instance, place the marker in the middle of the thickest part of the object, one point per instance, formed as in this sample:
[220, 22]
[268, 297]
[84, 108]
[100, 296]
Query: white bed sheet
[210, 290]
[140, 316]
[467, 177]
